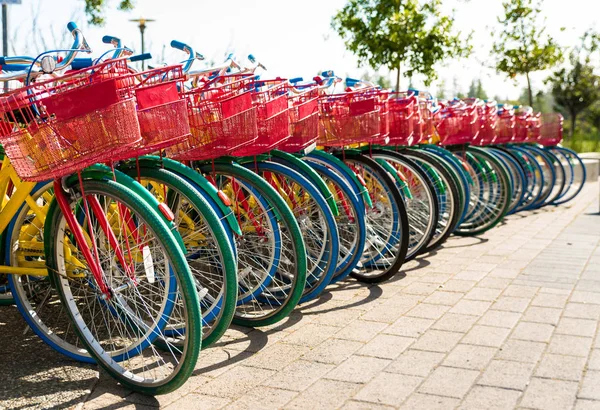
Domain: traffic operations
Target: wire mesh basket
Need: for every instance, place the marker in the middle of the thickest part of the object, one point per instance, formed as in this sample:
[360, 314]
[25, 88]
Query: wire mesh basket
[551, 132]
[304, 120]
[404, 118]
[458, 123]
[352, 117]
[505, 129]
[161, 110]
[222, 118]
[488, 120]
[270, 97]
[59, 126]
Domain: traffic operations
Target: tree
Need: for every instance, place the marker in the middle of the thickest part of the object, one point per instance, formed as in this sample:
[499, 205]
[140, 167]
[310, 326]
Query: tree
[399, 34]
[577, 87]
[476, 90]
[382, 81]
[94, 9]
[522, 46]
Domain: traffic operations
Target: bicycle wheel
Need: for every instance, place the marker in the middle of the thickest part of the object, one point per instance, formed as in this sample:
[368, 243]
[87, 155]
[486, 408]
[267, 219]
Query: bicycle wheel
[387, 221]
[518, 179]
[315, 219]
[271, 253]
[445, 183]
[575, 169]
[495, 193]
[560, 175]
[350, 221]
[145, 274]
[209, 252]
[35, 297]
[422, 205]
[549, 173]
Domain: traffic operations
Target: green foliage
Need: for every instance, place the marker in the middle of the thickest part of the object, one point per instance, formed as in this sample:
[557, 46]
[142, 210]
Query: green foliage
[476, 90]
[399, 34]
[576, 88]
[522, 46]
[94, 9]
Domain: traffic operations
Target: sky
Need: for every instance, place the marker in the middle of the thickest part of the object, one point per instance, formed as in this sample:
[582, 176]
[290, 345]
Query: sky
[291, 38]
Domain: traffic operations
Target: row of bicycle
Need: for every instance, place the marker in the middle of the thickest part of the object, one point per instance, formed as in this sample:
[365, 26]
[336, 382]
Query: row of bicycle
[134, 261]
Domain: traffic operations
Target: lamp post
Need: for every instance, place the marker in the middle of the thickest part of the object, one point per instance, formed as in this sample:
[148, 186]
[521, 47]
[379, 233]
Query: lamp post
[142, 25]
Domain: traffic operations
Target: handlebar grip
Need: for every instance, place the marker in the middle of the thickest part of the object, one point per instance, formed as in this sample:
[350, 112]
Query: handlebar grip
[350, 82]
[328, 73]
[229, 56]
[71, 26]
[2, 60]
[110, 39]
[251, 58]
[296, 80]
[179, 45]
[80, 63]
[140, 57]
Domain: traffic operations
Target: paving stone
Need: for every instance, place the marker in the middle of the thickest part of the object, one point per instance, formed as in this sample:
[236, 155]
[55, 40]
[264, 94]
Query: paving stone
[507, 374]
[521, 351]
[549, 394]
[298, 375]
[576, 327]
[454, 322]
[386, 346]
[311, 335]
[498, 318]
[589, 387]
[450, 382]
[235, 382]
[360, 330]
[358, 369]
[362, 405]
[550, 300]
[561, 367]
[444, 298]
[508, 272]
[470, 357]
[594, 360]
[585, 297]
[323, 394]
[535, 332]
[339, 318]
[490, 398]
[470, 307]
[196, 401]
[582, 404]
[570, 345]
[495, 283]
[539, 314]
[420, 288]
[262, 397]
[379, 389]
[457, 285]
[409, 326]
[485, 294]
[437, 341]
[333, 351]
[277, 356]
[428, 311]
[427, 401]
[486, 336]
[415, 363]
[582, 311]
[511, 304]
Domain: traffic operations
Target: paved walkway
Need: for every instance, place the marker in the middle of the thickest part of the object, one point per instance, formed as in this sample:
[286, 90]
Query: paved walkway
[505, 320]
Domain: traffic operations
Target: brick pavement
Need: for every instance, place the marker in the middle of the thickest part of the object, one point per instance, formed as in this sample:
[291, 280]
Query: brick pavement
[505, 320]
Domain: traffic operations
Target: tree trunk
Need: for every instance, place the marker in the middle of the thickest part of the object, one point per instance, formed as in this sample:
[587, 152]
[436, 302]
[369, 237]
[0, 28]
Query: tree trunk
[398, 79]
[573, 123]
[529, 92]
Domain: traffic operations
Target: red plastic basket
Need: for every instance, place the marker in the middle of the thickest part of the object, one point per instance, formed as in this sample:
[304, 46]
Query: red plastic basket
[522, 124]
[458, 123]
[59, 126]
[425, 124]
[222, 118]
[273, 119]
[161, 110]
[404, 118]
[488, 120]
[505, 130]
[352, 117]
[534, 126]
[304, 120]
[551, 129]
